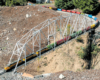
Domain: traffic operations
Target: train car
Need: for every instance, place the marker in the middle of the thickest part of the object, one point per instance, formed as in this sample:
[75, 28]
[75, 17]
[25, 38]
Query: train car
[73, 11]
[73, 35]
[68, 10]
[59, 9]
[29, 57]
[64, 10]
[90, 16]
[83, 30]
[50, 7]
[43, 6]
[79, 32]
[54, 8]
[95, 18]
[92, 26]
[43, 50]
[67, 38]
[46, 7]
[78, 12]
[12, 65]
[51, 45]
[88, 28]
[60, 41]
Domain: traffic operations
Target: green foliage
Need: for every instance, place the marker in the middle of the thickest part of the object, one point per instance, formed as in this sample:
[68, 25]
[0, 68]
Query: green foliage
[45, 64]
[83, 53]
[45, 58]
[13, 2]
[95, 51]
[64, 4]
[79, 39]
[78, 70]
[87, 6]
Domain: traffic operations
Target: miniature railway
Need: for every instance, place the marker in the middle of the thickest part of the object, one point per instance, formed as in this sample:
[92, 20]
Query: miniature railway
[46, 49]
[54, 45]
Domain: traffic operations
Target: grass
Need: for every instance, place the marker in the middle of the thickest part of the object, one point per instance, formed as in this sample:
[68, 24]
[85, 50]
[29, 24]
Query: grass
[79, 39]
[78, 70]
[45, 64]
[45, 58]
[77, 47]
[68, 63]
[56, 63]
[81, 54]
[4, 48]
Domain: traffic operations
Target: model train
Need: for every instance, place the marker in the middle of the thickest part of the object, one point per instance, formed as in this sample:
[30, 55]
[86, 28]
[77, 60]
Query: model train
[51, 46]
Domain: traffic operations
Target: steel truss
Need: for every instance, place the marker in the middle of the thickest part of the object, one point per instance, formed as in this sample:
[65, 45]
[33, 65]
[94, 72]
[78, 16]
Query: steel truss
[46, 33]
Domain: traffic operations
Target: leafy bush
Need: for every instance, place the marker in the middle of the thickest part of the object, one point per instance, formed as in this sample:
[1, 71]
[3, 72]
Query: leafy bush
[13, 2]
[79, 39]
[45, 64]
[82, 54]
[64, 4]
[87, 6]
[95, 51]
[45, 58]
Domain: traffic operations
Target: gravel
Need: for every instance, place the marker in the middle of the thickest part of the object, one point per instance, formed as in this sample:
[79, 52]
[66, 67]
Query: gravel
[69, 75]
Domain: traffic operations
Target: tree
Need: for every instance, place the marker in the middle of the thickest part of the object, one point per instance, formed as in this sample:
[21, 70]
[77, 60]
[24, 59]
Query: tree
[13, 2]
[87, 6]
[64, 4]
[0, 2]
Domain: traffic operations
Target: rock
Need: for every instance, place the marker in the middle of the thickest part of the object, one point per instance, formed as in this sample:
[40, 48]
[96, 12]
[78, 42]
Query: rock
[61, 76]
[27, 15]
[0, 49]
[8, 31]
[9, 22]
[27, 75]
[38, 10]
[46, 75]
[1, 34]
[38, 76]
[2, 72]
[27, 7]
[7, 38]
[14, 29]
